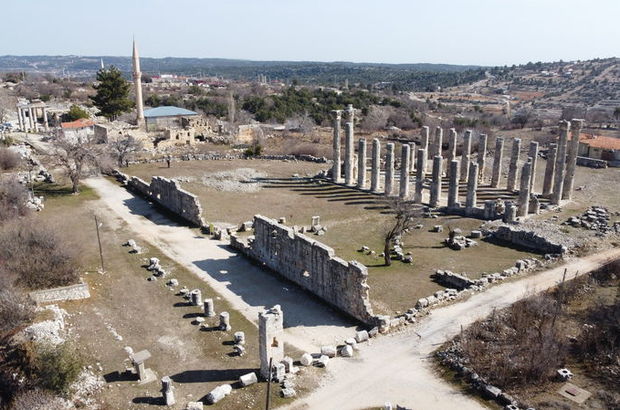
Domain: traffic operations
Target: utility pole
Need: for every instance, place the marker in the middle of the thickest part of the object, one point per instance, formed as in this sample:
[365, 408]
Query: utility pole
[268, 403]
[99, 241]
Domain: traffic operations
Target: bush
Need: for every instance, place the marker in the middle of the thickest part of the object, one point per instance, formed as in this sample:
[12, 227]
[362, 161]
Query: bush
[9, 159]
[75, 113]
[36, 256]
[37, 399]
[254, 150]
[56, 367]
[15, 309]
[13, 197]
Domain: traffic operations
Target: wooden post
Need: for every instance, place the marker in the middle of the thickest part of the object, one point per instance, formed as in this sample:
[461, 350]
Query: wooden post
[99, 241]
[268, 403]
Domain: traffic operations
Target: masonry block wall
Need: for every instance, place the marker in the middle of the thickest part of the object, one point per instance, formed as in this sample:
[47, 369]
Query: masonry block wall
[313, 266]
[170, 195]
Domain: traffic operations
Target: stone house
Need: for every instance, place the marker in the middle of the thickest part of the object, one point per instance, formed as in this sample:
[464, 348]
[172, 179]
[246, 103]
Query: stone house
[600, 147]
[164, 117]
[78, 130]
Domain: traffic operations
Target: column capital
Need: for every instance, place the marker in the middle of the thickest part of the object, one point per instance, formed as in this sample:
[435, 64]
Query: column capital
[576, 124]
[563, 124]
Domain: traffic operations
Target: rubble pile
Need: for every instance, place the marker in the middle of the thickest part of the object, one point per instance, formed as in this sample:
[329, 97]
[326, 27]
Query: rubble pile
[596, 218]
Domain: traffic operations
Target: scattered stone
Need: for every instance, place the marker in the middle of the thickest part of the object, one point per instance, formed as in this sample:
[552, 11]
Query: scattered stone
[288, 393]
[239, 338]
[329, 351]
[239, 350]
[248, 379]
[564, 374]
[194, 405]
[322, 361]
[306, 359]
[476, 234]
[172, 283]
[361, 336]
[346, 351]
[437, 228]
[219, 393]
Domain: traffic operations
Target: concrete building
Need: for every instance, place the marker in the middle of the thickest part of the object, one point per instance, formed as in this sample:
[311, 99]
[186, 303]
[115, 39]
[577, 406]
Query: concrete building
[164, 117]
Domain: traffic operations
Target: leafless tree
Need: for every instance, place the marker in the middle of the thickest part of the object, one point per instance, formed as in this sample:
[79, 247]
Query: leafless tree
[77, 157]
[122, 148]
[406, 216]
[376, 119]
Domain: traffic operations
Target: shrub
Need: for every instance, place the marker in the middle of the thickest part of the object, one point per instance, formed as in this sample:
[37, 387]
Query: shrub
[34, 255]
[37, 399]
[13, 197]
[15, 309]
[9, 159]
[75, 113]
[56, 367]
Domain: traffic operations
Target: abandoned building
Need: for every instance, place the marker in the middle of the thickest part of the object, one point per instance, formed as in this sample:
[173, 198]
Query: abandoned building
[166, 117]
[78, 129]
[600, 147]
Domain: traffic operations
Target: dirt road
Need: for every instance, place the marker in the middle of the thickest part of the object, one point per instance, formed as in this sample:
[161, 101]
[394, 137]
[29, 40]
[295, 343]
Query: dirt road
[308, 322]
[397, 368]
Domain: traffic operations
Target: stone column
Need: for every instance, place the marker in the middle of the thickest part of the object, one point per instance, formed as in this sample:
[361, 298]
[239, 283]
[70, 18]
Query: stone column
[560, 162]
[336, 171]
[20, 119]
[482, 156]
[270, 339]
[348, 154]
[420, 175]
[524, 191]
[31, 118]
[425, 142]
[452, 137]
[404, 171]
[225, 321]
[35, 119]
[511, 184]
[167, 391]
[437, 143]
[533, 155]
[208, 307]
[389, 169]
[412, 152]
[376, 165]
[472, 188]
[497, 162]
[571, 161]
[453, 188]
[436, 184]
[549, 170]
[465, 156]
[45, 119]
[510, 213]
[361, 163]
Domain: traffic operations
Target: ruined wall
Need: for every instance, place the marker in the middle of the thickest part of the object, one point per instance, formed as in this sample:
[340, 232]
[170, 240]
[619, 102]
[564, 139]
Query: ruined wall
[171, 196]
[537, 236]
[312, 265]
[72, 292]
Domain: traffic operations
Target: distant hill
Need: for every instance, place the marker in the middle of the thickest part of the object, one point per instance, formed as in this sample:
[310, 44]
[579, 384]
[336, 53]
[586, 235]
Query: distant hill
[402, 76]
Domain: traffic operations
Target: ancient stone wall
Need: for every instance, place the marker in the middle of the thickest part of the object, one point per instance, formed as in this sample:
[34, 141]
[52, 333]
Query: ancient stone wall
[591, 162]
[170, 195]
[540, 237]
[73, 292]
[312, 265]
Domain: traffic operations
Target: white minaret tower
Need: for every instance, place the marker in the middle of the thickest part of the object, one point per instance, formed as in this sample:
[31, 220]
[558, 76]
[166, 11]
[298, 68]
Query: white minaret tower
[137, 81]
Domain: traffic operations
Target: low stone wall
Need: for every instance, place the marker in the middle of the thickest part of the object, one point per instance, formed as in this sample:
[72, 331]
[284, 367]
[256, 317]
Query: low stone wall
[218, 156]
[168, 194]
[73, 292]
[312, 265]
[541, 237]
[591, 162]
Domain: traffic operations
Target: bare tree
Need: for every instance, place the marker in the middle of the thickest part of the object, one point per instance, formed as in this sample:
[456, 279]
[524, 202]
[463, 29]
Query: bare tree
[406, 216]
[77, 157]
[376, 119]
[122, 148]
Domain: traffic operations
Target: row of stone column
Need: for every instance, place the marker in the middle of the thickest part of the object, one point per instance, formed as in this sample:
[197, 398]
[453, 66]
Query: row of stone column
[558, 182]
[29, 122]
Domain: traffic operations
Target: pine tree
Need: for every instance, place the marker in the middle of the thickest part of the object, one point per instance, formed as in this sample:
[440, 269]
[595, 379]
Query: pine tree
[112, 96]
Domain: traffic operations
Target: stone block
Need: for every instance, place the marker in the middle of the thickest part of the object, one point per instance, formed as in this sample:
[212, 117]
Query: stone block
[248, 379]
[329, 351]
[194, 405]
[288, 393]
[346, 351]
[218, 393]
[361, 336]
[322, 361]
[306, 359]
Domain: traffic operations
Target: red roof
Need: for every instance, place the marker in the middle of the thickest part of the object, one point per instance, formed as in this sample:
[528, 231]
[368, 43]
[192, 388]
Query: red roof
[600, 141]
[81, 123]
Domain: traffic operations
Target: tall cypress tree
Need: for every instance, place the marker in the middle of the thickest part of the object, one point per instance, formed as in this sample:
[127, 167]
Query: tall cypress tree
[112, 96]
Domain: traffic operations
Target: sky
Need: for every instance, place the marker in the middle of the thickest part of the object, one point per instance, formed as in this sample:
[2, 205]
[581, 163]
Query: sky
[477, 32]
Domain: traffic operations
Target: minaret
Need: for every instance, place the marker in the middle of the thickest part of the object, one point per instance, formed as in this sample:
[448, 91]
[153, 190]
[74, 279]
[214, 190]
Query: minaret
[102, 66]
[137, 81]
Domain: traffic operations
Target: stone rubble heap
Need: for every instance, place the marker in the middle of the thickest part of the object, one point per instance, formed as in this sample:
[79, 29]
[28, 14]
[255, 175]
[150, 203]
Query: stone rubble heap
[596, 218]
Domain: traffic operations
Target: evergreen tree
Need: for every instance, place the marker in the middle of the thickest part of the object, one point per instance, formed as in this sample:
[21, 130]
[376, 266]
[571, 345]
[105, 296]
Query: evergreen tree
[112, 96]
